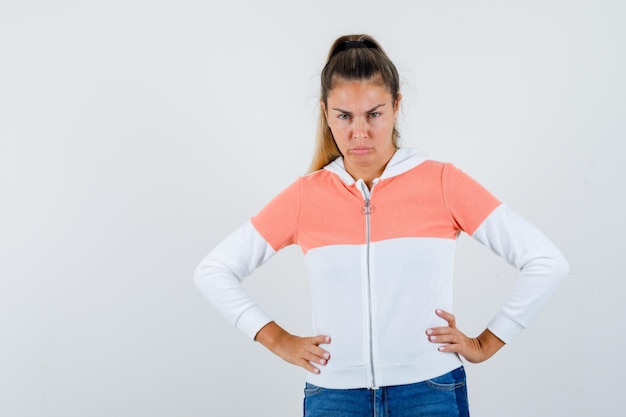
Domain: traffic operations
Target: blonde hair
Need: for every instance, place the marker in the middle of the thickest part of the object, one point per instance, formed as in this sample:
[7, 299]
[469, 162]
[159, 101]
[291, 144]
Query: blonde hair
[351, 57]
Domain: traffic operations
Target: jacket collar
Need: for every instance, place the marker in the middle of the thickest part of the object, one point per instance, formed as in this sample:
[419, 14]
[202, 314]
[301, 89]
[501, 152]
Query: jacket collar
[402, 160]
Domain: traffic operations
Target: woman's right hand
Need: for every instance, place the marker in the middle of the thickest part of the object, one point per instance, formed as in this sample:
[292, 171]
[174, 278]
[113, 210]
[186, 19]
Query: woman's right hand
[299, 351]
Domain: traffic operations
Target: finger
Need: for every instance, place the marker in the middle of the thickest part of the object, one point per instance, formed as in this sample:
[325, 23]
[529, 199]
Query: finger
[439, 331]
[449, 317]
[445, 338]
[315, 354]
[309, 357]
[452, 347]
[318, 353]
[320, 340]
[309, 367]
[321, 355]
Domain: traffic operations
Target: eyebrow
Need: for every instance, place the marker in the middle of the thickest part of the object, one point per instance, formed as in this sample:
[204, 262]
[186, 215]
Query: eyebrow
[350, 113]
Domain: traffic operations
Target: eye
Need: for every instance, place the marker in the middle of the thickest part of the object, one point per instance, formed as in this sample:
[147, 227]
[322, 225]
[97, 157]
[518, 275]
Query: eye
[374, 114]
[343, 116]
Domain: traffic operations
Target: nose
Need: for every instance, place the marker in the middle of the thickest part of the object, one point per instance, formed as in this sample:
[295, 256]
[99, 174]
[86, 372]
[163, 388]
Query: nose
[359, 130]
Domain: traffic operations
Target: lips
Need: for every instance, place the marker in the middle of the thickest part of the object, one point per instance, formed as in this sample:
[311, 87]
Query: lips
[361, 150]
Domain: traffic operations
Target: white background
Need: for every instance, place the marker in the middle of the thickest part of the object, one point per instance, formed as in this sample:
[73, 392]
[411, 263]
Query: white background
[134, 135]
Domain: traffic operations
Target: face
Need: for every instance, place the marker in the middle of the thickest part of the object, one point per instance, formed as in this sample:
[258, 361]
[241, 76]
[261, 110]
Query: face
[361, 115]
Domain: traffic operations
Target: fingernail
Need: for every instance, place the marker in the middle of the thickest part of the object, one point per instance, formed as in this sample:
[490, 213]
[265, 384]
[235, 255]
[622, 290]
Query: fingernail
[327, 355]
[441, 348]
[429, 331]
[323, 361]
[433, 338]
[439, 311]
[327, 339]
[316, 371]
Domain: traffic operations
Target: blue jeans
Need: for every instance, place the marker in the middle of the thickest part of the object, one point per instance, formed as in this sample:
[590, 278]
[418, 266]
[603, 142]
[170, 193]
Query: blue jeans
[443, 396]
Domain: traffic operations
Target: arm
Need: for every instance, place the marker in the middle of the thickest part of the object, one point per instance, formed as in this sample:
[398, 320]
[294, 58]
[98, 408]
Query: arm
[540, 264]
[219, 278]
[541, 268]
[220, 274]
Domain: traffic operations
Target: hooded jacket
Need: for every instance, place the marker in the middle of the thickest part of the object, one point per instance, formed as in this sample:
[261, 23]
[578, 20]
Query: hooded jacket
[380, 261]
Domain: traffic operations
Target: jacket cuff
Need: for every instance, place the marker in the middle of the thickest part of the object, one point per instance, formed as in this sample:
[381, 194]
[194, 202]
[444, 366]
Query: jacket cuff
[251, 321]
[504, 327]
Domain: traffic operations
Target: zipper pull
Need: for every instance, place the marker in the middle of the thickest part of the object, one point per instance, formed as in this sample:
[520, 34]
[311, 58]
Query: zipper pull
[367, 208]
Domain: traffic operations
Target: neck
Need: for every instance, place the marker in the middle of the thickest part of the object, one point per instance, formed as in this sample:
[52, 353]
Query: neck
[368, 172]
[367, 177]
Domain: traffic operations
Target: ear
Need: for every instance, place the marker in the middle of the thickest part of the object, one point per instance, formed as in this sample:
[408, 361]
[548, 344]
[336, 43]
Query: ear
[323, 109]
[396, 105]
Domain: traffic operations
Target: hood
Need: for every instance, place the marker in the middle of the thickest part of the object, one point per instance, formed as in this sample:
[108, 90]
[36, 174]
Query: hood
[402, 160]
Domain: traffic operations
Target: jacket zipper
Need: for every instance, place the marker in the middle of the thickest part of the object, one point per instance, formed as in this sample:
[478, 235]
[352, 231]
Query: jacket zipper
[367, 209]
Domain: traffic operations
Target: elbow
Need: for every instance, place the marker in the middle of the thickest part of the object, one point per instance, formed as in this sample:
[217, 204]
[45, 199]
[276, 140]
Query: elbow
[554, 261]
[552, 266]
[211, 274]
[202, 273]
[204, 281]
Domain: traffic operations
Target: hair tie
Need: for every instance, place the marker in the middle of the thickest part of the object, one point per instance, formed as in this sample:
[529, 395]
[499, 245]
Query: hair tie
[354, 44]
[345, 45]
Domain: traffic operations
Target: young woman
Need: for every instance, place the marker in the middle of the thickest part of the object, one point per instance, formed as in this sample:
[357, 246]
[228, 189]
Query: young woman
[377, 224]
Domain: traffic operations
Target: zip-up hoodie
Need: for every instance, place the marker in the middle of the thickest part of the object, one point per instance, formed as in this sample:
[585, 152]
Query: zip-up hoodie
[380, 262]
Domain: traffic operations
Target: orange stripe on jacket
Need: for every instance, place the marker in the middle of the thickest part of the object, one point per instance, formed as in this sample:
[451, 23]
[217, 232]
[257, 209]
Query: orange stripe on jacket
[433, 199]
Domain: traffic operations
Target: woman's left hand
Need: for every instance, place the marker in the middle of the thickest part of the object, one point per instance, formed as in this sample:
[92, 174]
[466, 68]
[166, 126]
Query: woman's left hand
[474, 350]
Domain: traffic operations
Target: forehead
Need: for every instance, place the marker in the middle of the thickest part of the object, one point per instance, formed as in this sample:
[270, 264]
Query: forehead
[359, 92]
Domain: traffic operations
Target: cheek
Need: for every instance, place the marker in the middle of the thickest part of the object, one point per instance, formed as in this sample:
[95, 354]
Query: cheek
[386, 125]
[340, 140]
[339, 130]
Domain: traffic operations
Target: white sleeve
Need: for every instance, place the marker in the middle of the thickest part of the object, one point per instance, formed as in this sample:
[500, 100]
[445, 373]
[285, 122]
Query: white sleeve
[221, 272]
[540, 264]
